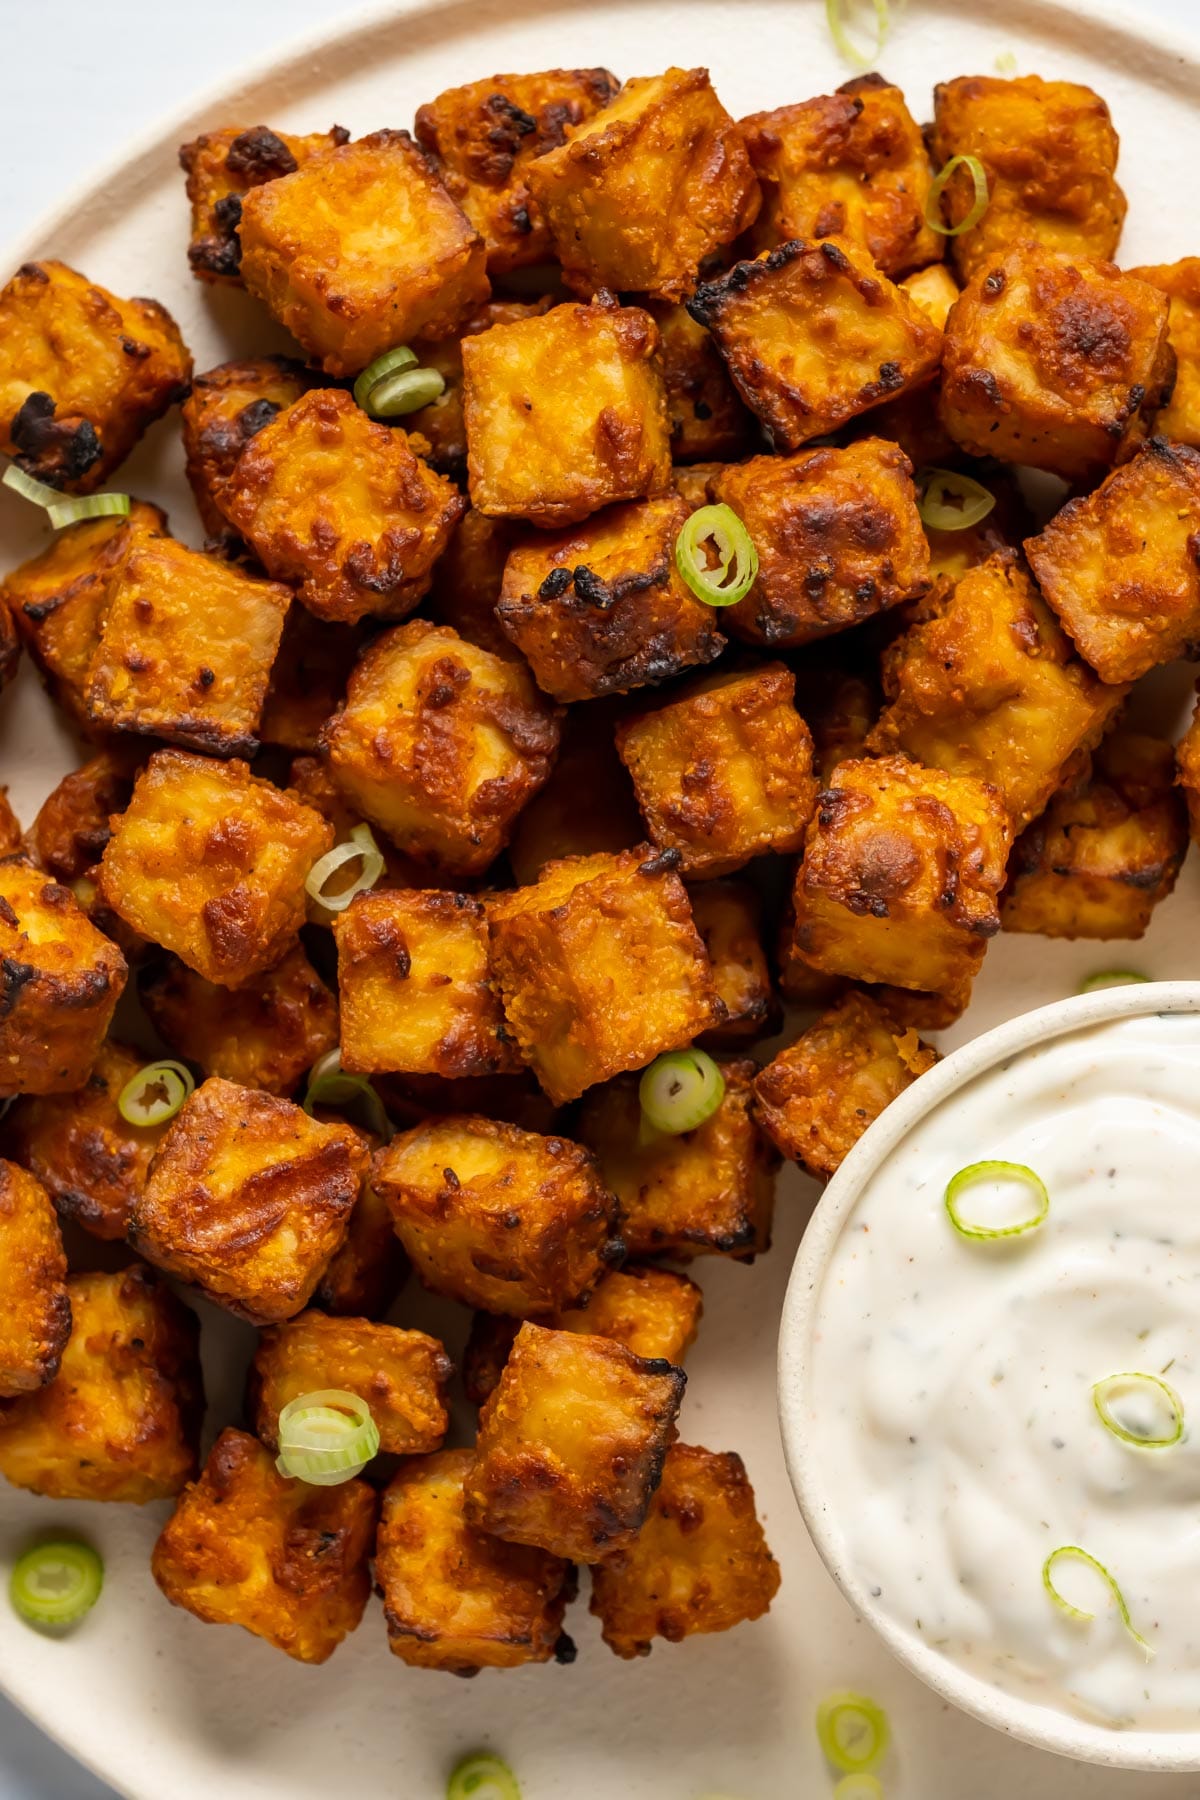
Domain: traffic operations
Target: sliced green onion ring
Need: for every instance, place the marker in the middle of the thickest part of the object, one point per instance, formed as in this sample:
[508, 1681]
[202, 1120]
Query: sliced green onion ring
[360, 844]
[950, 501]
[55, 1584]
[853, 1732]
[1073, 1552]
[330, 1085]
[858, 1787]
[736, 568]
[405, 392]
[680, 1090]
[326, 1437]
[995, 1171]
[155, 1094]
[482, 1777]
[978, 207]
[387, 364]
[65, 509]
[29, 489]
[1110, 978]
[1161, 1394]
[835, 13]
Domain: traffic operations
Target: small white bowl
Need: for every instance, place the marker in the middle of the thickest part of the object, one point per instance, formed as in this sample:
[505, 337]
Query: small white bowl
[1047, 1727]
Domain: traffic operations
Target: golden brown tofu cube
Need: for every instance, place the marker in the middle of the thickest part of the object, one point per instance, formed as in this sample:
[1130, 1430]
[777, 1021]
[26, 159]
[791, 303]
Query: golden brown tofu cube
[987, 684]
[369, 1266]
[416, 989]
[1049, 153]
[248, 1197]
[265, 1034]
[600, 967]
[441, 423]
[497, 1217]
[818, 1096]
[565, 413]
[68, 836]
[221, 168]
[35, 1313]
[708, 421]
[361, 249]
[228, 406]
[310, 780]
[699, 1563]
[82, 374]
[209, 861]
[728, 916]
[1104, 853]
[441, 744]
[587, 804]
[838, 536]
[645, 191]
[121, 1419]
[813, 335]
[852, 164]
[455, 1598]
[723, 772]
[1179, 420]
[309, 678]
[401, 1375]
[466, 582]
[286, 1561]
[601, 607]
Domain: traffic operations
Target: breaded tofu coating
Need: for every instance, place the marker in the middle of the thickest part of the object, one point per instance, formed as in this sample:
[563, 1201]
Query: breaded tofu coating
[209, 861]
[121, 1419]
[400, 1375]
[286, 1561]
[646, 190]
[82, 374]
[1179, 419]
[228, 406]
[456, 1598]
[35, 1313]
[699, 1563]
[709, 423]
[368, 1268]
[1104, 852]
[571, 1444]
[310, 780]
[729, 917]
[466, 582]
[360, 249]
[221, 168]
[439, 428]
[248, 1197]
[68, 836]
[600, 967]
[496, 1217]
[587, 804]
[815, 1099]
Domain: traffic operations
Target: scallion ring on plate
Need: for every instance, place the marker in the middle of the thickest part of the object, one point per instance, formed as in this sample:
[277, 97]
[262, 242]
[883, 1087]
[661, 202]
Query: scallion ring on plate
[65, 509]
[835, 14]
[360, 845]
[995, 1171]
[858, 1787]
[950, 501]
[482, 1777]
[680, 1090]
[387, 364]
[1110, 978]
[326, 1437]
[155, 1094]
[330, 1085]
[978, 207]
[1073, 1553]
[1162, 1398]
[723, 574]
[853, 1732]
[55, 1584]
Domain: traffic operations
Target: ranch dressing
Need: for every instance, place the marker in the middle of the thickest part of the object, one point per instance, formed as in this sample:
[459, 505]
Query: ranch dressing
[955, 1420]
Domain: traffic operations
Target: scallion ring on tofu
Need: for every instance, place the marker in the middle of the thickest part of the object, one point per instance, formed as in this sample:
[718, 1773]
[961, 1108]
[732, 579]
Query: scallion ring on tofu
[360, 845]
[972, 1175]
[330, 1085]
[835, 13]
[65, 509]
[155, 1094]
[853, 1732]
[55, 1584]
[1110, 978]
[1142, 1430]
[1073, 1553]
[387, 364]
[405, 392]
[326, 1437]
[482, 1777]
[716, 556]
[680, 1090]
[858, 1787]
[950, 501]
[979, 205]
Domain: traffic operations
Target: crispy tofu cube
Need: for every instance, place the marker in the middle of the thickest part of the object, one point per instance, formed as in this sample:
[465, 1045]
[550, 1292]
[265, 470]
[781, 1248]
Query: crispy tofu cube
[361, 249]
[813, 335]
[920, 1009]
[441, 424]
[1104, 853]
[440, 744]
[914, 424]
[309, 678]
[1179, 419]
[72, 825]
[699, 1563]
[209, 861]
[708, 420]
[1119, 565]
[310, 780]
[369, 1266]
[1055, 362]
[286, 1561]
[817, 1097]
[417, 994]
[839, 707]
[401, 1375]
[228, 406]
[901, 874]
[331, 499]
[565, 413]
[1049, 153]
[265, 1034]
[571, 1444]
[248, 1197]
[497, 1217]
[728, 916]
[987, 684]
[852, 164]
[723, 772]
[121, 1419]
[466, 583]
[455, 1598]
[35, 1313]
[601, 607]
[82, 374]
[587, 804]
[600, 967]
[221, 168]
[934, 290]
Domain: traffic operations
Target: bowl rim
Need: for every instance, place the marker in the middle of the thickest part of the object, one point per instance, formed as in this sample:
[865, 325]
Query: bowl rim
[1043, 1726]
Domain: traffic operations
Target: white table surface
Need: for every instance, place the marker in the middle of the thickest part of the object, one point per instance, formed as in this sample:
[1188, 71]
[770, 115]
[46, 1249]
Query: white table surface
[82, 78]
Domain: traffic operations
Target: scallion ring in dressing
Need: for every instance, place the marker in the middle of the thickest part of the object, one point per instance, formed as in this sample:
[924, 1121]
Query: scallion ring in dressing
[1161, 1397]
[975, 1173]
[1073, 1553]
